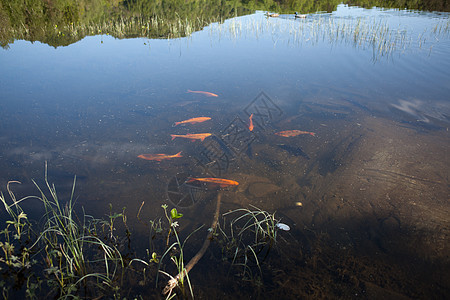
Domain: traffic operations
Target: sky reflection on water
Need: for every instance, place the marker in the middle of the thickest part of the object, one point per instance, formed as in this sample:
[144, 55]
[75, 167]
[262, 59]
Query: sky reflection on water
[282, 55]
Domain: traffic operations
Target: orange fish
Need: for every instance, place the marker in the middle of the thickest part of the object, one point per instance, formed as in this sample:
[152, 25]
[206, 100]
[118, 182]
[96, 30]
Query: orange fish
[250, 126]
[192, 136]
[192, 121]
[216, 181]
[159, 157]
[204, 93]
[289, 133]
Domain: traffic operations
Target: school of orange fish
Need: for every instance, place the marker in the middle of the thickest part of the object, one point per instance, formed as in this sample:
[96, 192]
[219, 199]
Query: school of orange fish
[220, 182]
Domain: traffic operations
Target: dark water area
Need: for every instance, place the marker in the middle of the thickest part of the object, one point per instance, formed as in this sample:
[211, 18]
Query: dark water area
[366, 196]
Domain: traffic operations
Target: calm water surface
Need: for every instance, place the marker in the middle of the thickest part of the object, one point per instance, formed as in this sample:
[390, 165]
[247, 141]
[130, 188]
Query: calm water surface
[366, 198]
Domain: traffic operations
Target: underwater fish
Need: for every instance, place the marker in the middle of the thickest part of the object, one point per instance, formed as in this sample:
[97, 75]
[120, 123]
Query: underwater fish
[204, 93]
[250, 126]
[296, 151]
[192, 121]
[289, 133]
[192, 136]
[159, 157]
[216, 181]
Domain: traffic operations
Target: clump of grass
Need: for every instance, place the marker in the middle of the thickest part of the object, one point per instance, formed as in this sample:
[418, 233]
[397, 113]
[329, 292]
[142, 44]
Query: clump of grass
[73, 252]
[248, 239]
[65, 254]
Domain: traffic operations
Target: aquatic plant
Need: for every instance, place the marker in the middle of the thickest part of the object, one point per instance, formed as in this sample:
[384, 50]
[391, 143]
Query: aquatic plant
[78, 256]
[72, 257]
[15, 252]
[247, 236]
[178, 261]
[174, 250]
[184, 270]
[68, 245]
[64, 253]
[15, 211]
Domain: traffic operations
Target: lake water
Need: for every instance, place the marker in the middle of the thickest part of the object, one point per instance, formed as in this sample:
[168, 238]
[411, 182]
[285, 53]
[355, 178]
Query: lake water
[366, 197]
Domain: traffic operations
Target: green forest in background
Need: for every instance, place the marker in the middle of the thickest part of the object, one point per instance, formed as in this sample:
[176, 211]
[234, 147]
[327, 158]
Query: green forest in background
[63, 22]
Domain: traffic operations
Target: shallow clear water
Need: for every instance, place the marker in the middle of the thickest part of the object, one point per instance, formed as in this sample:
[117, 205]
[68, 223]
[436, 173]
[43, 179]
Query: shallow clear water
[372, 182]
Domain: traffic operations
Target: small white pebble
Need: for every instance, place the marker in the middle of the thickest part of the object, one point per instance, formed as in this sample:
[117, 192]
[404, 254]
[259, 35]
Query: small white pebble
[283, 226]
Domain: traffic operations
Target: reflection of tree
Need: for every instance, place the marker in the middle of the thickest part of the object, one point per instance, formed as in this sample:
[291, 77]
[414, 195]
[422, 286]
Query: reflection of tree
[62, 22]
[427, 5]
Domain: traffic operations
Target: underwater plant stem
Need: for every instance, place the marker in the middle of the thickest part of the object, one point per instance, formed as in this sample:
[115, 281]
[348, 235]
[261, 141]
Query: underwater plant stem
[194, 260]
[140, 208]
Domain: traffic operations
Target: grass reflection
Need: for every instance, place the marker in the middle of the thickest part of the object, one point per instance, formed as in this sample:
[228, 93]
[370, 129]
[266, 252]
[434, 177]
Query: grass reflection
[129, 27]
[361, 32]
